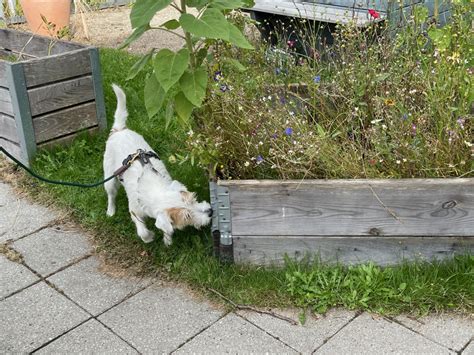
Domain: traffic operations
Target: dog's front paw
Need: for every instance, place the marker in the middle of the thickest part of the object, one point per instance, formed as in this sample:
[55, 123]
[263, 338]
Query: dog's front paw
[148, 237]
[167, 239]
[110, 211]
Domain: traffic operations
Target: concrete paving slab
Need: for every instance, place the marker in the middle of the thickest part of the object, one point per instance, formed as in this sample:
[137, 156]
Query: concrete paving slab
[469, 349]
[19, 217]
[14, 277]
[51, 249]
[93, 290]
[159, 319]
[304, 338]
[34, 316]
[451, 331]
[89, 338]
[369, 334]
[234, 335]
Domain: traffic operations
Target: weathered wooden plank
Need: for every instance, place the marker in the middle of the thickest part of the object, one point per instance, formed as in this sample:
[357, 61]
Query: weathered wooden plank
[12, 148]
[34, 45]
[5, 102]
[98, 89]
[405, 207]
[67, 139]
[21, 111]
[60, 95]
[8, 128]
[57, 67]
[60, 123]
[3, 77]
[348, 250]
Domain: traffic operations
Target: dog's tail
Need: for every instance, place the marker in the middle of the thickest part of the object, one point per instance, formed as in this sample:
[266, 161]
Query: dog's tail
[121, 113]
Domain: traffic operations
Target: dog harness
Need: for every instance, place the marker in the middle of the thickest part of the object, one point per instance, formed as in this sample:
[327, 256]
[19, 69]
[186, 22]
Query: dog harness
[140, 155]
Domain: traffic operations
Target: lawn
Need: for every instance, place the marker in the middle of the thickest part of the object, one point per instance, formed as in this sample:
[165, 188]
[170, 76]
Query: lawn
[414, 288]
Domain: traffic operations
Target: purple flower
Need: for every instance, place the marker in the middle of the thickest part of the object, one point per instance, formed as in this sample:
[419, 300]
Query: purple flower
[405, 116]
[223, 87]
[413, 129]
[218, 75]
[288, 131]
[277, 71]
[282, 100]
[290, 43]
[275, 135]
[461, 122]
[317, 79]
[259, 159]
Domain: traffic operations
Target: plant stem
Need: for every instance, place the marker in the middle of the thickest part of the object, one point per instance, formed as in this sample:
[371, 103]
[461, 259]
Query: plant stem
[189, 41]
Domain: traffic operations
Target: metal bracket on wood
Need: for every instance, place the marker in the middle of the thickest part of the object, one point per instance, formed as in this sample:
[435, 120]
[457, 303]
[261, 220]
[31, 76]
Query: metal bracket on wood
[221, 218]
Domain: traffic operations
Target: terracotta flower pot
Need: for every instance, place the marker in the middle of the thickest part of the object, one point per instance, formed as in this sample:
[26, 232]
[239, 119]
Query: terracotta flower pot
[56, 13]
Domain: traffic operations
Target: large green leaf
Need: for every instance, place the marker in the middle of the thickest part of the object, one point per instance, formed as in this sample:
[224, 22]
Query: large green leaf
[144, 10]
[169, 66]
[236, 37]
[226, 4]
[171, 24]
[136, 34]
[194, 84]
[140, 64]
[183, 107]
[199, 4]
[154, 96]
[212, 24]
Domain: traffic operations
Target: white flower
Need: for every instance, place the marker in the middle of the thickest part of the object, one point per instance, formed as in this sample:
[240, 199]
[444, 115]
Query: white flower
[246, 163]
[398, 161]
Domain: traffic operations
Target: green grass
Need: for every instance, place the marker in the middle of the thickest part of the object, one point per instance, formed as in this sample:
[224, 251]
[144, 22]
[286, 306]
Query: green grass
[414, 288]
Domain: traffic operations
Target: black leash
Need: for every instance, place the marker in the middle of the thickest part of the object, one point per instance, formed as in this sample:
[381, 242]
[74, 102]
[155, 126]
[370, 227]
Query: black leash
[125, 165]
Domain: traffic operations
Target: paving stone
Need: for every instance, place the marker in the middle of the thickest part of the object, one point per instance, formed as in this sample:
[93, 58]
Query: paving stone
[469, 349]
[304, 338]
[50, 249]
[159, 319]
[89, 338]
[232, 334]
[93, 290]
[14, 276]
[18, 217]
[451, 331]
[375, 335]
[34, 316]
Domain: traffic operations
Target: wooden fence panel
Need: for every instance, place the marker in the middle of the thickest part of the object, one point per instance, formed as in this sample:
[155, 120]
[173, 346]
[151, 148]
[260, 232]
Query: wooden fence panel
[57, 67]
[8, 128]
[59, 123]
[60, 95]
[347, 250]
[405, 207]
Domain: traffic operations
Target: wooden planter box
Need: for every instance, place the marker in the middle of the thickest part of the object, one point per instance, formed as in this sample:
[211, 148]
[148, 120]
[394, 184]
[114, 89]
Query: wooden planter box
[347, 221]
[49, 94]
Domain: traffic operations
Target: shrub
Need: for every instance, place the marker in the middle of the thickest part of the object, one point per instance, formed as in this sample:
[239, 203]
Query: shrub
[373, 105]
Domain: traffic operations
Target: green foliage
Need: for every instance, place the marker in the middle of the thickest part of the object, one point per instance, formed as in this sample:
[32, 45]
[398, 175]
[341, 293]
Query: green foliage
[186, 66]
[412, 288]
[375, 104]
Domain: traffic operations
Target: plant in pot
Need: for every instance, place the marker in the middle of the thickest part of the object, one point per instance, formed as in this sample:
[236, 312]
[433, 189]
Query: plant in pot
[47, 17]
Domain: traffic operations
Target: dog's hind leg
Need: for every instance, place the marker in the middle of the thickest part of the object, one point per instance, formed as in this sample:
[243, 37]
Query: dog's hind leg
[142, 231]
[111, 187]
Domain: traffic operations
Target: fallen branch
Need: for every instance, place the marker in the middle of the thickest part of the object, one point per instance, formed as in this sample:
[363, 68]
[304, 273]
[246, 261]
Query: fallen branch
[253, 309]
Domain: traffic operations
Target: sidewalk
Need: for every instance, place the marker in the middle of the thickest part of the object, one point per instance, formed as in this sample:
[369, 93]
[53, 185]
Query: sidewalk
[53, 299]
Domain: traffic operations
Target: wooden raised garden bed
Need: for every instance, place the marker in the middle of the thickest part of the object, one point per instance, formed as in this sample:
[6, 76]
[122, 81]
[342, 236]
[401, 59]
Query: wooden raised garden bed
[49, 92]
[347, 221]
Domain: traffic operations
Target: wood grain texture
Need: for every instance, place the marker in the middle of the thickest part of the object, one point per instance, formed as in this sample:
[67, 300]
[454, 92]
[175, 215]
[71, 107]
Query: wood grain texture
[57, 67]
[12, 148]
[60, 95]
[34, 45]
[6, 102]
[3, 77]
[64, 122]
[8, 128]
[406, 207]
[69, 138]
[348, 250]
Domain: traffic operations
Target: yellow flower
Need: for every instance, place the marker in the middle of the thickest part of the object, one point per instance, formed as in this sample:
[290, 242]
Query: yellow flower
[389, 102]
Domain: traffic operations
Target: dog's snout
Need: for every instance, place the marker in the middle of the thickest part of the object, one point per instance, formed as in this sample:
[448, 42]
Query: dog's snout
[209, 212]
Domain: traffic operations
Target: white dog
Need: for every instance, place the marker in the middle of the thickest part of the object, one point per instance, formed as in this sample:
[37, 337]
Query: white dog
[150, 190]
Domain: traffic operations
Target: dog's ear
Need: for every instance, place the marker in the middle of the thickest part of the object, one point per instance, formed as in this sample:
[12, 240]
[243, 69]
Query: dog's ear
[188, 197]
[179, 216]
